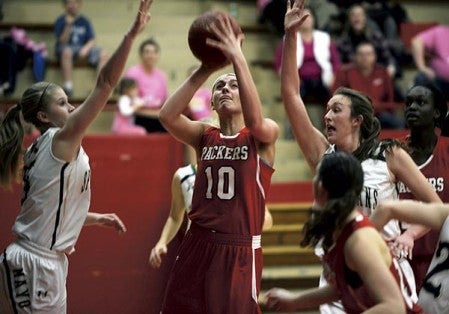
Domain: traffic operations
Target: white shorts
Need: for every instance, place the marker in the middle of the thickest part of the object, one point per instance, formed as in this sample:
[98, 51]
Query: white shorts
[32, 279]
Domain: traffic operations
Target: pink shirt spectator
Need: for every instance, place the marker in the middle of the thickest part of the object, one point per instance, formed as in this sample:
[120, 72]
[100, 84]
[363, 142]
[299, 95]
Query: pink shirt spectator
[436, 42]
[152, 87]
[123, 119]
[261, 4]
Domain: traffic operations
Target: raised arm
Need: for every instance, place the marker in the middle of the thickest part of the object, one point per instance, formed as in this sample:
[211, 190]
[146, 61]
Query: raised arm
[171, 114]
[264, 130]
[311, 141]
[69, 138]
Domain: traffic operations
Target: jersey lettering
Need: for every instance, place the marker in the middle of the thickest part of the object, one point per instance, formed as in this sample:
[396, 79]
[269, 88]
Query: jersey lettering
[442, 265]
[437, 183]
[21, 288]
[370, 198]
[224, 153]
[225, 184]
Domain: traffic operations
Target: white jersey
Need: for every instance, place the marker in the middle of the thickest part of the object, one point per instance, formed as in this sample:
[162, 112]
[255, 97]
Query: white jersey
[434, 294]
[56, 196]
[186, 176]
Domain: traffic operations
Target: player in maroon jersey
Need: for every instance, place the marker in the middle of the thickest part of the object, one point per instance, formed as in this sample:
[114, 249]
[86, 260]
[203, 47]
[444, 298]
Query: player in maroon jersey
[219, 264]
[358, 265]
[425, 110]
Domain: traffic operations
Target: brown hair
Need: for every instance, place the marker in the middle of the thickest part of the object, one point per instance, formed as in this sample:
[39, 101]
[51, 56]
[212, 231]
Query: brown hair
[12, 129]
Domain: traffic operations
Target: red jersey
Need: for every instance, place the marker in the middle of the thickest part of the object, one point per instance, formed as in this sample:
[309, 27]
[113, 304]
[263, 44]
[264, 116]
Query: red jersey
[436, 171]
[231, 184]
[354, 295]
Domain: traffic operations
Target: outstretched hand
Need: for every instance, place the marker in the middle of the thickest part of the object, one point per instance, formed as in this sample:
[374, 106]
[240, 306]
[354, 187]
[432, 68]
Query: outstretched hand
[294, 16]
[142, 17]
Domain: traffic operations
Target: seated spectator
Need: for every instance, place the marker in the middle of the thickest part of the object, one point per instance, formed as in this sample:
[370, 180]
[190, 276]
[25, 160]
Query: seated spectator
[128, 103]
[317, 59]
[357, 30]
[75, 39]
[373, 80]
[433, 45]
[152, 84]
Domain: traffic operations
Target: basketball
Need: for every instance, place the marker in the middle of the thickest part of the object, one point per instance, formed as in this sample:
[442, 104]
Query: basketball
[199, 31]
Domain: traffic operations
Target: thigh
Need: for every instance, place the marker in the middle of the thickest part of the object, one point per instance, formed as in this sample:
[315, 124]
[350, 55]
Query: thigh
[34, 284]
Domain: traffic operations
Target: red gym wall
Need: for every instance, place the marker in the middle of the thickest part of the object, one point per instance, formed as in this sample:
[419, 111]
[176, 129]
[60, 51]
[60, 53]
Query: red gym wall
[131, 176]
[109, 273]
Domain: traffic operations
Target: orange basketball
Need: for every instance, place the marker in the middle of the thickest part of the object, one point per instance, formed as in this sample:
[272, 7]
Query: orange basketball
[198, 32]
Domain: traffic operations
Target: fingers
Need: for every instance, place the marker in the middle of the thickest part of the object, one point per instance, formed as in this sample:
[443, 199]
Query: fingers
[118, 224]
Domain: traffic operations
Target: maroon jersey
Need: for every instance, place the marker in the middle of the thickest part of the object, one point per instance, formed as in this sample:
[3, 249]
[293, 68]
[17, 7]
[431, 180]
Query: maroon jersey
[354, 295]
[231, 184]
[436, 170]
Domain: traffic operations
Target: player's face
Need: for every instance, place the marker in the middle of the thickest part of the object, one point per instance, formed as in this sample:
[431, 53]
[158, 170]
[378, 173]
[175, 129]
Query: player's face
[419, 109]
[339, 124]
[57, 110]
[225, 93]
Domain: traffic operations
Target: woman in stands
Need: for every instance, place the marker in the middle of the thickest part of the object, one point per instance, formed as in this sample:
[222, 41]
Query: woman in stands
[56, 190]
[350, 126]
[358, 264]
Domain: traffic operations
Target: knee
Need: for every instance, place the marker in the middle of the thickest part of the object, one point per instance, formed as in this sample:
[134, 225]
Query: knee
[67, 54]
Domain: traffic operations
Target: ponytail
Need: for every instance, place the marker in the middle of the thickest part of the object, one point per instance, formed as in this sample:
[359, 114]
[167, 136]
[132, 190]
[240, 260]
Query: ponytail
[12, 132]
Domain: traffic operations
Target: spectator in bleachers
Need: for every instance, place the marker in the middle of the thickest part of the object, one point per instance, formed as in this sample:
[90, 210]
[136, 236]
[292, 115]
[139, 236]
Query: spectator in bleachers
[128, 103]
[366, 76]
[75, 39]
[433, 45]
[152, 84]
[357, 30]
[317, 60]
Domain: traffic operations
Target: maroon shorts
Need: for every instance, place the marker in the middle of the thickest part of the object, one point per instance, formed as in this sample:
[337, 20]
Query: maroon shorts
[215, 273]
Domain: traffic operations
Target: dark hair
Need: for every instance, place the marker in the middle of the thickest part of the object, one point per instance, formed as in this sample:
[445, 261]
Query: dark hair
[341, 175]
[124, 84]
[438, 101]
[12, 129]
[149, 41]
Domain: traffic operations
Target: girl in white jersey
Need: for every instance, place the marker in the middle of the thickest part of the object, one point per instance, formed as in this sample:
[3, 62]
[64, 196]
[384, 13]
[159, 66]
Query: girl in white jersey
[350, 126]
[56, 190]
[434, 294]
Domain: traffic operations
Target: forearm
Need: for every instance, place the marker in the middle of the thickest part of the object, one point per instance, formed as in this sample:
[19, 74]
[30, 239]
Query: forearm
[91, 219]
[313, 298]
[290, 81]
[417, 231]
[89, 45]
[65, 36]
[180, 99]
[169, 231]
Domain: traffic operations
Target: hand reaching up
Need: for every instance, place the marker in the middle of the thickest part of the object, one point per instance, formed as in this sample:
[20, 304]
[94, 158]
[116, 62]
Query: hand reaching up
[294, 16]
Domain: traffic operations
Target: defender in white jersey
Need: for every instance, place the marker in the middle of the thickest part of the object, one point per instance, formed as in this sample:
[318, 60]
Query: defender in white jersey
[350, 126]
[182, 190]
[434, 294]
[56, 185]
